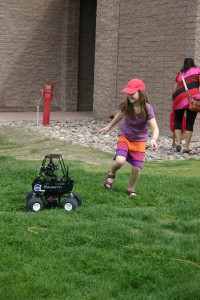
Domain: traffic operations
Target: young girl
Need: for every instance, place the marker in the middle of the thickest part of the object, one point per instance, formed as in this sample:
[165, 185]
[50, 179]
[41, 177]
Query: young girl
[136, 113]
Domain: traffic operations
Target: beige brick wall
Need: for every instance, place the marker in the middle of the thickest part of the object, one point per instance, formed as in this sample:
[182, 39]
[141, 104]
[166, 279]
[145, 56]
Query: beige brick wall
[29, 56]
[38, 44]
[106, 58]
[154, 38]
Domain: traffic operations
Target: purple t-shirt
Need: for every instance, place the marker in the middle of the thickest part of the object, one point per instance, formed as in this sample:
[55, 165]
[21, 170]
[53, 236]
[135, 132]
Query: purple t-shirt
[137, 129]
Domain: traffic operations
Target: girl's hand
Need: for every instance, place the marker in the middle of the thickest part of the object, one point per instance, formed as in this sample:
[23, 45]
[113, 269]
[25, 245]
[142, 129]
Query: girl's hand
[153, 143]
[116, 120]
[155, 133]
[104, 130]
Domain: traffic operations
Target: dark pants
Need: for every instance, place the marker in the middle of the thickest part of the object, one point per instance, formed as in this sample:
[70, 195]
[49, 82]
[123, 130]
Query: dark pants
[190, 119]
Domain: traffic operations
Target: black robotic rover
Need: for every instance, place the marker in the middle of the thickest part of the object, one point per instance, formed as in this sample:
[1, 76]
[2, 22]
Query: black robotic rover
[52, 187]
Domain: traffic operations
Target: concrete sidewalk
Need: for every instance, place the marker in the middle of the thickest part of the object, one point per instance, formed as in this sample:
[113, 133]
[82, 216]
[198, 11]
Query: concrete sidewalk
[54, 116]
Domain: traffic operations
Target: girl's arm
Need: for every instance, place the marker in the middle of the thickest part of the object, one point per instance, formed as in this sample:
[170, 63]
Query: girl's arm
[116, 120]
[155, 133]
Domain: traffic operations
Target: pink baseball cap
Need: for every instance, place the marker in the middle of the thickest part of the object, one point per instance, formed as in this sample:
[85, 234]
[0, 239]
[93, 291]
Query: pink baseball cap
[133, 86]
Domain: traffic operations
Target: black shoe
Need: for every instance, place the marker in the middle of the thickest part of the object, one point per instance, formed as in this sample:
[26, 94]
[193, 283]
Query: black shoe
[178, 148]
[186, 151]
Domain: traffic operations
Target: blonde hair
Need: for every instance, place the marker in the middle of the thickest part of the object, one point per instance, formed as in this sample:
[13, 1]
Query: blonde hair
[127, 108]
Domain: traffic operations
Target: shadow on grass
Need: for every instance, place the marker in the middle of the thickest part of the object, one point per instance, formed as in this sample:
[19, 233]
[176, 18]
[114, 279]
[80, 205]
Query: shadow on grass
[156, 187]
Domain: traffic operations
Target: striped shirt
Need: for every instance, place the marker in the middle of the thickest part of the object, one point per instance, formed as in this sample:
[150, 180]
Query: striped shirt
[180, 99]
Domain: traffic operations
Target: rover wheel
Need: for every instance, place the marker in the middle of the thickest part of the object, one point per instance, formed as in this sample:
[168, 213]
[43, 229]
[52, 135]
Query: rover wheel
[69, 204]
[29, 195]
[78, 198]
[34, 204]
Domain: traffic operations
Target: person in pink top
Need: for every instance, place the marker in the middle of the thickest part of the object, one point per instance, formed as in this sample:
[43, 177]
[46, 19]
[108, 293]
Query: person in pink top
[191, 74]
[137, 114]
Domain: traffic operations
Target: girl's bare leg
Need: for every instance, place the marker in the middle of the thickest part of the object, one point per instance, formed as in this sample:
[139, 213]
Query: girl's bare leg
[135, 174]
[116, 165]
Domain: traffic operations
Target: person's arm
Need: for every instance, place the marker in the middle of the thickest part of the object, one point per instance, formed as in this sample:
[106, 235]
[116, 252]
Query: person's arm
[116, 120]
[175, 87]
[155, 133]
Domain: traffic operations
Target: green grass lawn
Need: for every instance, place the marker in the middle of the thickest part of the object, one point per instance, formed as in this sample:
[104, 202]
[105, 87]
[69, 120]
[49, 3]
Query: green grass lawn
[111, 247]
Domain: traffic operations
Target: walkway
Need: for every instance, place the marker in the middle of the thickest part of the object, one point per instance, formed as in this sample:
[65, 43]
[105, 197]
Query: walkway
[54, 116]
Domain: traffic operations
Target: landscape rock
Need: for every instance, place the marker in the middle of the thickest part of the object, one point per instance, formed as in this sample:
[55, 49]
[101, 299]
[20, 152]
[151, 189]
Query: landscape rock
[86, 133]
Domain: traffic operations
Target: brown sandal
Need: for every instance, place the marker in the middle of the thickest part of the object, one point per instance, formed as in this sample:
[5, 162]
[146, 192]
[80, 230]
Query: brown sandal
[108, 184]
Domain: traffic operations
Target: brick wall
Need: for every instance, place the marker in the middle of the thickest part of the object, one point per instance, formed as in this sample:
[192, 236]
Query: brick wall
[69, 55]
[30, 51]
[38, 44]
[154, 38]
[106, 58]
